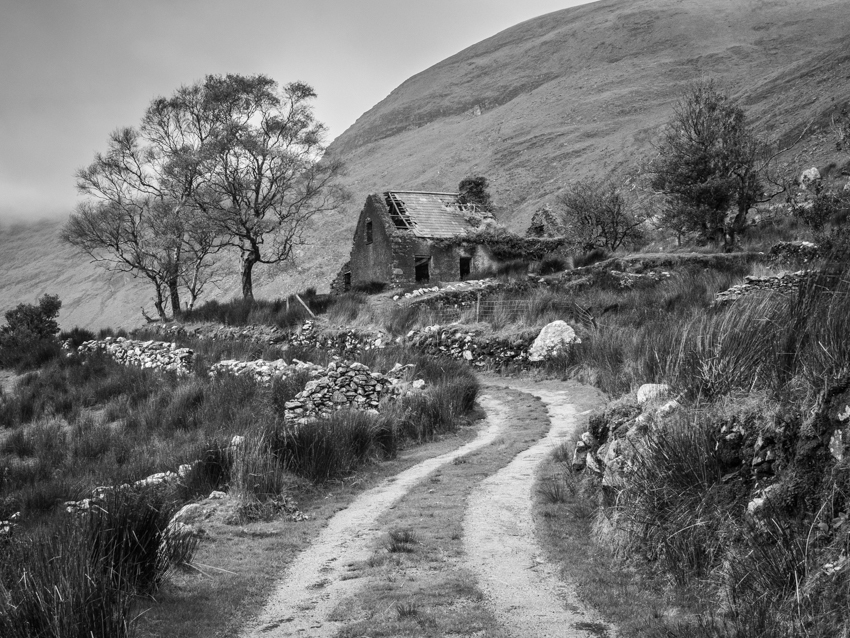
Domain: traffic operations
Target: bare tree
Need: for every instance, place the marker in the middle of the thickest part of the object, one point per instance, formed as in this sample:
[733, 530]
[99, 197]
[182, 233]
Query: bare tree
[267, 172]
[140, 216]
[600, 216]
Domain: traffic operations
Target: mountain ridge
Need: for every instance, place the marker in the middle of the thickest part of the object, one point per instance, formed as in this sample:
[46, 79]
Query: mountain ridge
[578, 92]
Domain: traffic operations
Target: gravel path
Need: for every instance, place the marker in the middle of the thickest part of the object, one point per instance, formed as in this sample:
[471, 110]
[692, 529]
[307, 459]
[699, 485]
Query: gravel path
[316, 581]
[525, 592]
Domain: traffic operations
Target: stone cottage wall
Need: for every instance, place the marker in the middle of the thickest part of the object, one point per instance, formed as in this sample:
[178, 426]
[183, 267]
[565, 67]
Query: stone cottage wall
[372, 261]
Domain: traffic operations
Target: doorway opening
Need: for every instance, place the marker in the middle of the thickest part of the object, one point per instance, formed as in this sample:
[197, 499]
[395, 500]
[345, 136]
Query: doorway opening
[465, 267]
[423, 268]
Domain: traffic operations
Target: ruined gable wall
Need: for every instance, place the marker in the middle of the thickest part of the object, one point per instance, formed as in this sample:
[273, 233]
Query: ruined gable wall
[372, 262]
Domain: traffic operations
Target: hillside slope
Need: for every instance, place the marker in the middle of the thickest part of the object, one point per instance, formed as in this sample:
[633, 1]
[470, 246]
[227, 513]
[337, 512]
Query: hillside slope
[578, 92]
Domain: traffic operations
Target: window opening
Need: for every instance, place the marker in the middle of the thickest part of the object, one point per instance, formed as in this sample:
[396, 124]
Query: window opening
[368, 230]
[465, 267]
[422, 264]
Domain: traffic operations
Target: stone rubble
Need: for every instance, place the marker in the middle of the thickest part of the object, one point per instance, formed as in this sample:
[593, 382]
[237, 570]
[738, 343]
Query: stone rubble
[159, 355]
[344, 385]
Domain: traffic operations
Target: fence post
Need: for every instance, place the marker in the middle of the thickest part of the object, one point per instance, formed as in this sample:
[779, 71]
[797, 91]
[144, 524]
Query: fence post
[478, 308]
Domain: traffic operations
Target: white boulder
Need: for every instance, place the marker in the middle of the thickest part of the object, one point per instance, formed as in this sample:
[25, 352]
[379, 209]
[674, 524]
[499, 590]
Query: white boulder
[809, 177]
[554, 339]
[651, 391]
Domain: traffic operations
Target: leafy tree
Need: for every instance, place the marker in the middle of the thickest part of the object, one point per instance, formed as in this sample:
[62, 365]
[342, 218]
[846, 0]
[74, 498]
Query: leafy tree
[27, 339]
[267, 175]
[599, 216]
[473, 190]
[39, 321]
[709, 162]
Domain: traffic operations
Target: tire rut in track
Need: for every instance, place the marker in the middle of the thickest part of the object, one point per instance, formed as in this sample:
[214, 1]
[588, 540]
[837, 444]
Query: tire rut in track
[525, 592]
[316, 581]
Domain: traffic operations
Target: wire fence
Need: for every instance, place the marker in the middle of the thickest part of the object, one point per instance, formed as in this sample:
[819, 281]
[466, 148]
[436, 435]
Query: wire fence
[505, 310]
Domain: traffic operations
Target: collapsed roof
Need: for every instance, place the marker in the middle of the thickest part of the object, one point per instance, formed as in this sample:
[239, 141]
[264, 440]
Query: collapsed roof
[431, 215]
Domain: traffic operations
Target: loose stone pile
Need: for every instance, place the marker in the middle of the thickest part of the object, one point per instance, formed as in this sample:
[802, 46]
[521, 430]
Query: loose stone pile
[262, 371]
[159, 355]
[783, 283]
[342, 385]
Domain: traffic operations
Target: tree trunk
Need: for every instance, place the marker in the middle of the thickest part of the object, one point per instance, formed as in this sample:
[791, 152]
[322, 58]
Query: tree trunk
[174, 296]
[159, 304]
[248, 262]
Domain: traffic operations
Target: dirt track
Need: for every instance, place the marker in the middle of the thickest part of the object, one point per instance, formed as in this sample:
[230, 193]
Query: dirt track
[315, 583]
[523, 592]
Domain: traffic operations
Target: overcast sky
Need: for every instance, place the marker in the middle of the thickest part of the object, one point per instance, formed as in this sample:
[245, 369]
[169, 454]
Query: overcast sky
[73, 70]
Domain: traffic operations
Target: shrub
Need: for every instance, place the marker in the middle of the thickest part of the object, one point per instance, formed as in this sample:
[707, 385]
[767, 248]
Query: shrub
[76, 336]
[552, 264]
[28, 339]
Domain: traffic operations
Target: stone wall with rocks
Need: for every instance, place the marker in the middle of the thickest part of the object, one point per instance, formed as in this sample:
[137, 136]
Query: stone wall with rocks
[261, 370]
[793, 252]
[159, 355]
[339, 342]
[344, 385]
[474, 345]
[783, 283]
[218, 332]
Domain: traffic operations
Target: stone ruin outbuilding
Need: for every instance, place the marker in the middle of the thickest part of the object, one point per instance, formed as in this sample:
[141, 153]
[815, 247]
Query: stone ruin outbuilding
[406, 237]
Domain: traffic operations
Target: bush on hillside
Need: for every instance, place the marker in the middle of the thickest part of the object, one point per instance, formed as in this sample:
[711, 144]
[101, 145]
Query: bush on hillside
[28, 340]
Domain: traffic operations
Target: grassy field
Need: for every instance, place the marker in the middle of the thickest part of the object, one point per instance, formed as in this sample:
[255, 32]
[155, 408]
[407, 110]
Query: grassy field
[77, 423]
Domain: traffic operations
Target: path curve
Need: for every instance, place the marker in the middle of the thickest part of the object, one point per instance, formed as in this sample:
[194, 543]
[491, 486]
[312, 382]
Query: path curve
[525, 591]
[316, 582]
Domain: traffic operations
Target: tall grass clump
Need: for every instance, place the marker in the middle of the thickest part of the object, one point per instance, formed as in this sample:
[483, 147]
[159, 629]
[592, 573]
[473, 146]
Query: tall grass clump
[675, 502]
[332, 447]
[78, 576]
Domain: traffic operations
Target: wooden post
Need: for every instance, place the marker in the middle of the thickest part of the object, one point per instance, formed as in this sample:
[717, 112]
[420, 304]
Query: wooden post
[305, 305]
[478, 308]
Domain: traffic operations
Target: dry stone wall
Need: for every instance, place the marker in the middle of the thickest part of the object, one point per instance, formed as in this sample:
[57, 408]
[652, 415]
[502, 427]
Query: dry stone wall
[159, 355]
[473, 345]
[261, 370]
[794, 252]
[339, 342]
[783, 283]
